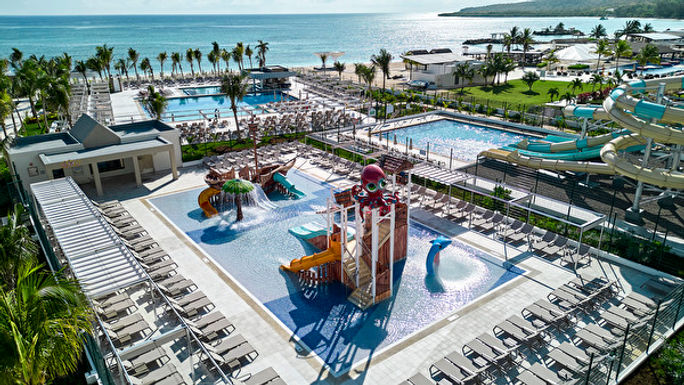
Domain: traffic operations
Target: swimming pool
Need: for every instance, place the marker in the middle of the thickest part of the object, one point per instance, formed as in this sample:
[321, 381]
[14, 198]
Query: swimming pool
[338, 332]
[466, 139]
[206, 90]
[187, 107]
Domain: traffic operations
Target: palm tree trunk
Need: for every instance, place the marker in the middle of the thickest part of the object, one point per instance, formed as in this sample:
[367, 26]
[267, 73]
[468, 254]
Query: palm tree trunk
[45, 111]
[4, 129]
[238, 207]
[598, 63]
[14, 124]
[135, 68]
[33, 107]
[237, 124]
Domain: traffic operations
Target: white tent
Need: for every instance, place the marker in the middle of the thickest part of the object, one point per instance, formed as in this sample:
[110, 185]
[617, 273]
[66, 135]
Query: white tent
[578, 53]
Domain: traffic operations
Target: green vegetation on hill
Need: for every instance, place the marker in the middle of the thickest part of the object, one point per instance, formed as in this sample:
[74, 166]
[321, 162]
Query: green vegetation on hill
[669, 9]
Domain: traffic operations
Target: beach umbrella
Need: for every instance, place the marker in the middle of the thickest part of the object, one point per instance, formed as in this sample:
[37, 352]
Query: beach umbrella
[238, 187]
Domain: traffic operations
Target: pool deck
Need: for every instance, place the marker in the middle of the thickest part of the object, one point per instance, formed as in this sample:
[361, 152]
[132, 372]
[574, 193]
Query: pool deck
[389, 366]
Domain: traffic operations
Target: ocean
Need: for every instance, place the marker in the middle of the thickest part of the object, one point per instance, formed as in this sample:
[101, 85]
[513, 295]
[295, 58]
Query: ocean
[292, 38]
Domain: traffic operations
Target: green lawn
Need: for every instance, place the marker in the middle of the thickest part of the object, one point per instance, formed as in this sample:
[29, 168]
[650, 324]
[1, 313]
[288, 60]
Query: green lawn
[517, 92]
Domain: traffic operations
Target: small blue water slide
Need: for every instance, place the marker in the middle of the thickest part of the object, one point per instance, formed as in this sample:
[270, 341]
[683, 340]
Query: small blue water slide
[438, 244]
[282, 179]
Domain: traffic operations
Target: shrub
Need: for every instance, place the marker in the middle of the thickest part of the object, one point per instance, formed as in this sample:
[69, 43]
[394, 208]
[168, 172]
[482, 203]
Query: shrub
[578, 66]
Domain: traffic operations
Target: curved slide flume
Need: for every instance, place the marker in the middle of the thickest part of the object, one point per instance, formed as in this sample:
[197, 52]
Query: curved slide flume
[643, 118]
[437, 245]
[331, 254]
[203, 201]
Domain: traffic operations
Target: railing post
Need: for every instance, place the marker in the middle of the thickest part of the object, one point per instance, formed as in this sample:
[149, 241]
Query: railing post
[591, 361]
[622, 352]
[655, 321]
[679, 306]
[610, 370]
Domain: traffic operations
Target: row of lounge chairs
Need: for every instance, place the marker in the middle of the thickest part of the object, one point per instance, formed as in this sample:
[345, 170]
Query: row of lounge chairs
[229, 350]
[481, 359]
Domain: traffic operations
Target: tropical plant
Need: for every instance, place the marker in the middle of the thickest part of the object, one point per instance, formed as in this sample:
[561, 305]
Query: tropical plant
[121, 66]
[358, 69]
[648, 27]
[235, 87]
[225, 56]
[576, 84]
[42, 324]
[213, 59]
[526, 42]
[16, 246]
[368, 75]
[568, 97]
[95, 64]
[105, 55]
[133, 57]
[648, 54]
[621, 49]
[146, 67]
[339, 67]
[262, 48]
[198, 56]
[162, 58]
[463, 71]
[324, 59]
[596, 79]
[216, 51]
[249, 52]
[6, 108]
[15, 57]
[383, 60]
[529, 78]
[602, 49]
[631, 26]
[553, 92]
[190, 58]
[175, 63]
[155, 102]
[81, 68]
[598, 32]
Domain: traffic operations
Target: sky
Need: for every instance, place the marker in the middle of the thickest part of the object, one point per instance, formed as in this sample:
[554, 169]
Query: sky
[102, 7]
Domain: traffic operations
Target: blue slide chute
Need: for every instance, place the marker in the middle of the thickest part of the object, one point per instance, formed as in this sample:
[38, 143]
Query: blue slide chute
[437, 245]
[289, 187]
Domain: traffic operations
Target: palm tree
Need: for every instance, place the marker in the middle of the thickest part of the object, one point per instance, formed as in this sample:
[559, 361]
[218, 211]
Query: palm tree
[550, 59]
[262, 48]
[484, 70]
[553, 92]
[162, 58]
[383, 61]
[145, 66]
[156, 103]
[105, 55]
[238, 54]
[576, 84]
[324, 58]
[235, 87]
[568, 97]
[198, 56]
[249, 52]
[190, 58]
[339, 67]
[514, 33]
[358, 69]
[133, 57]
[508, 65]
[648, 27]
[15, 57]
[81, 68]
[508, 43]
[95, 64]
[631, 26]
[6, 108]
[648, 54]
[225, 56]
[598, 32]
[530, 78]
[463, 71]
[596, 79]
[16, 246]
[526, 42]
[42, 321]
[368, 76]
[27, 78]
[213, 59]
[176, 62]
[602, 49]
[621, 49]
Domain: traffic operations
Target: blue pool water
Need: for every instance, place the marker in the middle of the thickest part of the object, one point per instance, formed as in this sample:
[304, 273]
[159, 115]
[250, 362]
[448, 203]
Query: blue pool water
[338, 332]
[187, 107]
[208, 90]
[466, 140]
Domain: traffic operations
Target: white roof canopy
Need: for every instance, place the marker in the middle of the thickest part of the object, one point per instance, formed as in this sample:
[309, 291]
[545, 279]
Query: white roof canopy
[578, 53]
[98, 258]
[435, 58]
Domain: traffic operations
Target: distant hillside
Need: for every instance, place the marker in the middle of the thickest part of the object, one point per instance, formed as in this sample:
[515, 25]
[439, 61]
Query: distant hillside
[669, 9]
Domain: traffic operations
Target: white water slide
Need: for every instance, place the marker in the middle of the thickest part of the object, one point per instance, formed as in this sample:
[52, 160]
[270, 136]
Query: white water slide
[648, 121]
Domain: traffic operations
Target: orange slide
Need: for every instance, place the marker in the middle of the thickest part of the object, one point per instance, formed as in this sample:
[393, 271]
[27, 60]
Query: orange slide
[203, 201]
[332, 254]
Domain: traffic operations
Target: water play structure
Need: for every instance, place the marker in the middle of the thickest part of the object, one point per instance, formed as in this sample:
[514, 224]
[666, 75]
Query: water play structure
[269, 178]
[433, 255]
[363, 259]
[647, 118]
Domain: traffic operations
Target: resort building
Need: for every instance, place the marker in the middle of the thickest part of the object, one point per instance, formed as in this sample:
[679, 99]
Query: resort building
[90, 151]
[270, 77]
[437, 67]
[667, 43]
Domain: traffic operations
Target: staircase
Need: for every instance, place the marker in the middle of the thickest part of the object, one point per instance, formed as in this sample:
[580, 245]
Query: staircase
[362, 296]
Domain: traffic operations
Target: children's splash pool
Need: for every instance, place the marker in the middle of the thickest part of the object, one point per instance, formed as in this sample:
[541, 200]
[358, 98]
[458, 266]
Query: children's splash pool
[338, 332]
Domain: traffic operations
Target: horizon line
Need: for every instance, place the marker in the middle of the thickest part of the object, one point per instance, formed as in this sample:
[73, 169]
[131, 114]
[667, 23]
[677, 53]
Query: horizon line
[211, 14]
